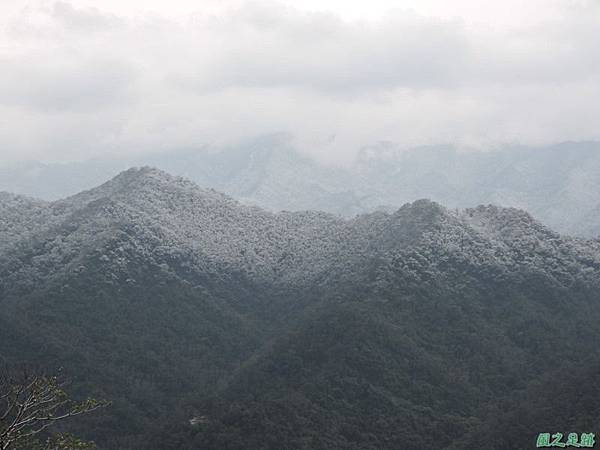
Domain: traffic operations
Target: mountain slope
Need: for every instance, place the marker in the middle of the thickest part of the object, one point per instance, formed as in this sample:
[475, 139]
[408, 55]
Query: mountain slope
[410, 330]
[18, 215]
[420, 352]
[558, 184]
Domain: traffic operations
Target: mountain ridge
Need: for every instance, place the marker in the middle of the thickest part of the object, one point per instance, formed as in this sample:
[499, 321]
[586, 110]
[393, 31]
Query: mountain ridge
[302, 330]
[557, 183]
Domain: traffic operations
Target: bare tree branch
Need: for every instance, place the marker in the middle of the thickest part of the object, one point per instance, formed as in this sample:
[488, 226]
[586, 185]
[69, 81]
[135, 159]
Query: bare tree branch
[30, 404]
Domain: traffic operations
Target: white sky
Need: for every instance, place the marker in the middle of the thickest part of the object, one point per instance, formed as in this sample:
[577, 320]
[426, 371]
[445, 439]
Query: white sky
[84, 78]
[503, 13]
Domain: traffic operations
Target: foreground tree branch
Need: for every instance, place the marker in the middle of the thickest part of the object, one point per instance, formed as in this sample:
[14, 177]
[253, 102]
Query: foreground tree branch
[32, 403]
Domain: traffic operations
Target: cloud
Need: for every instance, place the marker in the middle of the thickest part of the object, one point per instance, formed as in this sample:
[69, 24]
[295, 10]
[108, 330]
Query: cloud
[275, 46]
[79, 81]
[87, 20]
[60, 84]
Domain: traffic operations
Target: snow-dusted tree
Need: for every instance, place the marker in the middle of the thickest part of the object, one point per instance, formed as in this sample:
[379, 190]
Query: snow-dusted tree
[30, 404]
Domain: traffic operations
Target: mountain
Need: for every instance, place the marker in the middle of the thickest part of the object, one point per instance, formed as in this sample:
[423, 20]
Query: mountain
[18, 215]
[212, 324]
[557, 184]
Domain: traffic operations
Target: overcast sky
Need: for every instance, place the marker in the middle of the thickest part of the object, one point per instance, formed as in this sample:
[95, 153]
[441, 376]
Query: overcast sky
[87, 78]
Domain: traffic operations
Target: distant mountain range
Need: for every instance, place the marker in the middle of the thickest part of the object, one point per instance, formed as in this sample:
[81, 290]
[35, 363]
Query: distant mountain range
[559, 185]
[211, 324]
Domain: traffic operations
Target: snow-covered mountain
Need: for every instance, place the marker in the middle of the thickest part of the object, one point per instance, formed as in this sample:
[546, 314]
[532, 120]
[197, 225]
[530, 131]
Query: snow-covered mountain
[160, 212]
[176, 301]
[560, 185]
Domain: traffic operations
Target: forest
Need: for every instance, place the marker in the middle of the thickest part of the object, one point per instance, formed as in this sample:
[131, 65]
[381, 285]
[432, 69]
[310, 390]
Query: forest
[207, 324]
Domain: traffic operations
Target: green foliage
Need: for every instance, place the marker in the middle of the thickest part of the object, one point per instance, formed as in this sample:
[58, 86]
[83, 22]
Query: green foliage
[213, 326]
[62, 441]
[30, 404]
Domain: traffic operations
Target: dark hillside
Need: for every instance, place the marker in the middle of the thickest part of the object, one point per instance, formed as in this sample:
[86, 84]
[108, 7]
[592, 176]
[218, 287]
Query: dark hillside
[425, 328]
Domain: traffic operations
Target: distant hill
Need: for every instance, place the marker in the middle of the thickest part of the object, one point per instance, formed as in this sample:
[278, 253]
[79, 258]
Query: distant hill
[559, 185]
[215, 325]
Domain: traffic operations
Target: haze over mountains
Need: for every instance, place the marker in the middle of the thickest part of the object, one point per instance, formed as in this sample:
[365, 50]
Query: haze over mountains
[417, 329]
[299, 225]
[559, 185]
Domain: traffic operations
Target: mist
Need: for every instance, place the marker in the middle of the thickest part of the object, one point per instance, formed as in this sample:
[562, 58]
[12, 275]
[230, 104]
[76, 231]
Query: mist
[79, 82]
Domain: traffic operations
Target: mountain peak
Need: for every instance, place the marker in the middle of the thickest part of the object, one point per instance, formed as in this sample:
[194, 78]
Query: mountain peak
[144, 174]
[423, 204]
[422, 212]
[505, 220]
[145, 181]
